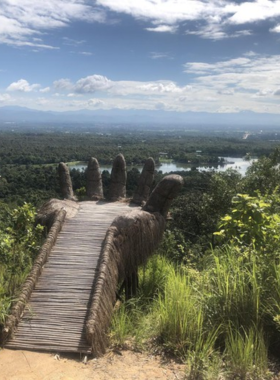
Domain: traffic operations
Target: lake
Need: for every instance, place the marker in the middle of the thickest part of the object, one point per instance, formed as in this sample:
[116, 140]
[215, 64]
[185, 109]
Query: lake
[236, 163]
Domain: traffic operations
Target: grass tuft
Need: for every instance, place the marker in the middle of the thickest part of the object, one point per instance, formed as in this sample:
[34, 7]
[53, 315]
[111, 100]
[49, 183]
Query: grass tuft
[246, 354]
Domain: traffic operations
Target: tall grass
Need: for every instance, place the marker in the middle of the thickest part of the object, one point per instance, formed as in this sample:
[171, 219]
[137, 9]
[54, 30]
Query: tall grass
[135, 318]
[180, 313]
[121, 326]
[220, 317]
[153, 277]
[183, 326]
[234, 287]
[246, 354]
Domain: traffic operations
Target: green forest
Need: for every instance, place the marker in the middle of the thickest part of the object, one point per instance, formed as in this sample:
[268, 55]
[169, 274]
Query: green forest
[210, 295]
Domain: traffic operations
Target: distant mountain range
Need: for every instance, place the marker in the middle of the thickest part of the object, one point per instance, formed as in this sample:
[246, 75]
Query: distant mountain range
[14, 114]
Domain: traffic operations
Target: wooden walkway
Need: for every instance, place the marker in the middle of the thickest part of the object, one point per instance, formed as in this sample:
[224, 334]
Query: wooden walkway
[54, 319]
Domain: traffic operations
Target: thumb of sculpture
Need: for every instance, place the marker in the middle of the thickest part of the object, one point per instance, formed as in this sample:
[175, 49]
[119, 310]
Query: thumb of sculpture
[145, 182]
[65, 182]
[162, 196]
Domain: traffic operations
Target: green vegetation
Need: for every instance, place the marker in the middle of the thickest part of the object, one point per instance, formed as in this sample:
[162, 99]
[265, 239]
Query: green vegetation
[22, 148]
[20, 183]
[20, 241]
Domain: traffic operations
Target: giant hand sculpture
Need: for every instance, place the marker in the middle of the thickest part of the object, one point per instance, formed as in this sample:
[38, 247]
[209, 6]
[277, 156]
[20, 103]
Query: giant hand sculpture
[128, 242]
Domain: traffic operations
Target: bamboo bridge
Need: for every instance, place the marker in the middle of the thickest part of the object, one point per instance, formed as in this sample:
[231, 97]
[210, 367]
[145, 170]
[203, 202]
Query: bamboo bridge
[67, 300]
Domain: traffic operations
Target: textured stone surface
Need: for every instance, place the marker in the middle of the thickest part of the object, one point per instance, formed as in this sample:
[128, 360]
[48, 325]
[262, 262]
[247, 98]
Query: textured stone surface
[94, 180]
[163, 194]
[145, 182]
[65, 182]
[117, 188]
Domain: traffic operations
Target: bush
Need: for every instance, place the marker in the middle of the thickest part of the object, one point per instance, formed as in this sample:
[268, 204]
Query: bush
[20, 240]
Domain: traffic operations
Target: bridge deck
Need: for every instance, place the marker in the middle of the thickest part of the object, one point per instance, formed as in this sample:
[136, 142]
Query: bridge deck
[54, 319]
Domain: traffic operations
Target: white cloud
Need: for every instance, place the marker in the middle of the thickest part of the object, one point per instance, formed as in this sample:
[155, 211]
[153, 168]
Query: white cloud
[27, 44]
[213, 95]
[263, 93]
[22, 20]
[23, 86]
[98, 83]
[232, 65]
[163, 29]
[212, 31]
[92, 84]
[26, 22]
[215, 14]
[4, 98]
[217, 32]
[86, 53]
[63, 84]
[85, 104]
[248, 82]
[159, 55]
[247, 12]
[85, 85]
[244, 78]
[46, 89]
[42, 101]
[72, 42]
[160, 87]
[163, 12]
[276, 29]
[227, 91]
[250, 54]
[97, 103]
[241, 33]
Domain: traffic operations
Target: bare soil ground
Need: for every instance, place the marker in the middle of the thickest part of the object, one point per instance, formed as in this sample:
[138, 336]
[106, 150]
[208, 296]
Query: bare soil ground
[121, 365]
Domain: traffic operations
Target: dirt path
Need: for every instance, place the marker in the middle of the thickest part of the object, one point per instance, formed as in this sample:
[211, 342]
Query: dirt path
[124, 365]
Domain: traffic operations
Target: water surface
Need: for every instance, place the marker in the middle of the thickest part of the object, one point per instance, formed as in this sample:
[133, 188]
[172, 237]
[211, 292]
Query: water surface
[237, 163]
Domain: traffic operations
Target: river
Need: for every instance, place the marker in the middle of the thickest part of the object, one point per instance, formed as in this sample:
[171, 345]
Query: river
[236, 163]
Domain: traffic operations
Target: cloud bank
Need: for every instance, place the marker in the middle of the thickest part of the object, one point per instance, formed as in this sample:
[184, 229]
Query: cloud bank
[248, 82]
[26, 22]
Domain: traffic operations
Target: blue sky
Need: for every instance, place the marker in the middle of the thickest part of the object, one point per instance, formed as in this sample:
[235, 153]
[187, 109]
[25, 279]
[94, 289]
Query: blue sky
[174, 55]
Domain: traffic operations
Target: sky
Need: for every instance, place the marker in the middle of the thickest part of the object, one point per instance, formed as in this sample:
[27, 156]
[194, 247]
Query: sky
[217, 56]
